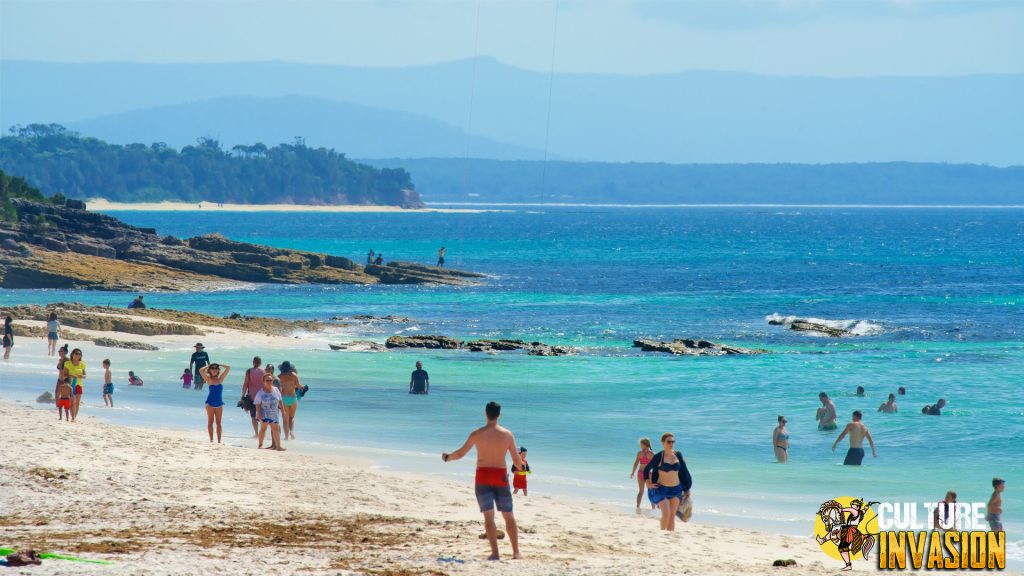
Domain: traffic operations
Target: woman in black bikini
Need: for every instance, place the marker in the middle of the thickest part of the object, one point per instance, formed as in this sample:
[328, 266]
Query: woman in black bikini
[668, 481]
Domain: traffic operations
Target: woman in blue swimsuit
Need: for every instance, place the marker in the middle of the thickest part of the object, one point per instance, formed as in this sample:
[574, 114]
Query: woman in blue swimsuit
[668, 481]
[214, 375]
[780, 440]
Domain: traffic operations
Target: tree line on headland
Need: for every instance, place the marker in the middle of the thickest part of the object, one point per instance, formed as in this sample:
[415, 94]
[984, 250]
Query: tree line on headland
[61, 161]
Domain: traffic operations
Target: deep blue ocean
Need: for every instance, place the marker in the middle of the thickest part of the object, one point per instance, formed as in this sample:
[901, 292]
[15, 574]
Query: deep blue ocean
[936, 296]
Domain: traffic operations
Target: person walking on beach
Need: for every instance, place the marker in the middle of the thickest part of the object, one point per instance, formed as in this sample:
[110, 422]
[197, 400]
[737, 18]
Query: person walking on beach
[826, 415]
[419, 382]
[269, 369]
[780, 441]
[889, 406]
[8, 337]
[199, 358]
[290, 385]
[214, 375]
[440, 257]
[944, 515]
[108, 385]
[62, 357]
[492, 442]
[75, 370]
[643, 456]
[52, 333]
[668, 481]
[252, 383]
[268, 410]
[63, 395]
[858, 432]
[994, 512]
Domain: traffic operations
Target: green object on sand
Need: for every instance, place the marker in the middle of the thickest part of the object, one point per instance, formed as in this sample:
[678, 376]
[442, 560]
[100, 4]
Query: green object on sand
[51, 556]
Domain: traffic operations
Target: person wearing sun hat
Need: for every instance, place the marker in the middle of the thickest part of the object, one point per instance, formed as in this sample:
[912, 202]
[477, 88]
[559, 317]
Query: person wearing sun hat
[200, 358]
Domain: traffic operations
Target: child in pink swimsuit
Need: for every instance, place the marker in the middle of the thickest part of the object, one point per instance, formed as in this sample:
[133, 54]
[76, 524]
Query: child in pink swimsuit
[643, 457]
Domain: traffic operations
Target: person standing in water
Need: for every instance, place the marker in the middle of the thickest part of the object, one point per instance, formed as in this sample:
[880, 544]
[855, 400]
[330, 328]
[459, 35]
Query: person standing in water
[780, 441]
[108, 385]
[52, 333]
[214, 375]
[199, 358]
[643, 456]
[889, 406]
[290, 385]
[440, 257]
[419, 382]
[492, 442]
[994, 512]
[858, 432]
[8, 337]
[826, 415]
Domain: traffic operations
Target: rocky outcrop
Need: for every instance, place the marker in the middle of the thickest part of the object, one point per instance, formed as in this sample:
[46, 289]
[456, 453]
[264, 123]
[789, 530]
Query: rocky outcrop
[111, 343]
[45, 398]
[358, 346]
[531, 348]
[690, 347]
[425, 341]
[369, 319]
[805, 326]
[63, 237]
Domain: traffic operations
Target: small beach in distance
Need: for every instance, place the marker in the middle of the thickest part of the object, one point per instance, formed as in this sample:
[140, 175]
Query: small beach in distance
[937, 312]
[101, 205]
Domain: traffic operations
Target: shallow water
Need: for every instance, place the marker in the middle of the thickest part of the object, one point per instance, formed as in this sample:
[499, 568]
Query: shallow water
[937, 294]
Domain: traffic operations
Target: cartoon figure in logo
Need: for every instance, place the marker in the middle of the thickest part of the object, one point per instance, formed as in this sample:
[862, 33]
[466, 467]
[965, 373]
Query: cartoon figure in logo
[842, 528]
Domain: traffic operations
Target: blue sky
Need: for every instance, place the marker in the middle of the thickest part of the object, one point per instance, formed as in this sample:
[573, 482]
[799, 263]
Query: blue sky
[778, 37]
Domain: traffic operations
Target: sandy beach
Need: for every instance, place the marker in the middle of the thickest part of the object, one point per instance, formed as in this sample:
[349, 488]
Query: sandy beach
[168, 502]
[102, 205]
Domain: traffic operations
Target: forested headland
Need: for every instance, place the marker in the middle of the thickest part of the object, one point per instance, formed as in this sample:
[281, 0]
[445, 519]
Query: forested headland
[58, 160]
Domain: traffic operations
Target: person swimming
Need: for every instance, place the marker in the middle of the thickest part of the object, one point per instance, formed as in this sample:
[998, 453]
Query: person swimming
[889, 406]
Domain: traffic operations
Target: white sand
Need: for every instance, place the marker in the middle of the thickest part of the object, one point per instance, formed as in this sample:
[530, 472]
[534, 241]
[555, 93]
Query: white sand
[102, 205]
[177, 505]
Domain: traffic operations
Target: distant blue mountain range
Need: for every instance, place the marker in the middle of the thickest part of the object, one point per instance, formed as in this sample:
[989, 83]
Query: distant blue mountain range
[693, 117]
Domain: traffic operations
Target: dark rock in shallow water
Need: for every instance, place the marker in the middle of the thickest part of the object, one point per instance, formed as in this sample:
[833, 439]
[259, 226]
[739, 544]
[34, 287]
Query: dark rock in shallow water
[45, 398]
[359, 346]
[690, 347]
[531, 348]
[424, 341]
[805, 326]
[372, 319]
[111, 343]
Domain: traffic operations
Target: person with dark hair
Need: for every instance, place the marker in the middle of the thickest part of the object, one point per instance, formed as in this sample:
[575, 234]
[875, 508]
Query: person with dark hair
[826, 415]
[199, 358]
[860, 391]
[290, 390]
[108, 384]
[74, 368]
[252, 383]
[994, 511]
[492, 442]
[137, 303]
[419, 382]
[519, 476]
[52, 333]
[8, 336]
[369, 258]
[668, 481]
[214, 375]
[934, 409]
[889, 406]
[440, 257]
[858, 432]
[379, 261]
[780, 441]
[901, 391]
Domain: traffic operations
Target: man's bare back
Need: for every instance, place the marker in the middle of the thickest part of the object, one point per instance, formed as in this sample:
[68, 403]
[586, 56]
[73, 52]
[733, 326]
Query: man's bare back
[857, 431]
[492, 443]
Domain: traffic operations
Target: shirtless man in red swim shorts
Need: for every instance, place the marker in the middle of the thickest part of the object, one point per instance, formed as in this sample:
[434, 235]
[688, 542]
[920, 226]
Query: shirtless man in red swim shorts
[492, 442]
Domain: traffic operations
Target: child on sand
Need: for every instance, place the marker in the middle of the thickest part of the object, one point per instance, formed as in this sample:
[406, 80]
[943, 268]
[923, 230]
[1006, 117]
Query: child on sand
[519, 475]
[108, 385]
[268, 412]
[995, 505]
[64, 391]
[186, 379]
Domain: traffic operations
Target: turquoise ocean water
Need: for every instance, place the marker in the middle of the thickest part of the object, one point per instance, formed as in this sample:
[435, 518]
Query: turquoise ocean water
[937, 295]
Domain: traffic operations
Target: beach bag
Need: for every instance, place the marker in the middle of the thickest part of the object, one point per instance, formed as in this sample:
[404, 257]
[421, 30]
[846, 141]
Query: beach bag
[301, 392]
[245, 403]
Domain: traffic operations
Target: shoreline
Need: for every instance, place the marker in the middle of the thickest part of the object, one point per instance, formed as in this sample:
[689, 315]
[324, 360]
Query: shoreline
[103, 205]
[122, 508]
